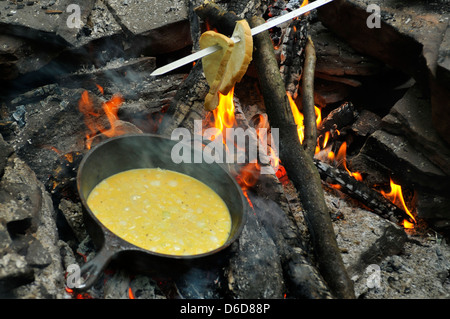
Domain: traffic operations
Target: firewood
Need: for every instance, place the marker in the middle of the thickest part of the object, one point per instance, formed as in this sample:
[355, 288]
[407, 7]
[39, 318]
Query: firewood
[189, 97]
[300, 167]
[309, 113]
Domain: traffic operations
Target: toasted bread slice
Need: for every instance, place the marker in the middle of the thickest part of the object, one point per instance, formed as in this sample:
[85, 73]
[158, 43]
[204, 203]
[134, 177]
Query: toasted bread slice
[224, 68]
[241, 56]
[216, 62]
[214, 65]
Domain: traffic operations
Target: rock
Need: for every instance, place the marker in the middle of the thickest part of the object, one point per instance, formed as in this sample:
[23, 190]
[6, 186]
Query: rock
[440, 90]
[37, 255]
[15, 57]
[443, 61]
[49, 25]
[336, 58]
[5, 239]
[29, 250]
[434, 209]
[411, 118]
[393, 154]
[100, 25]
[20, 202]
[403, 31]
[329, 92]
[73, 213]
[157, 28]
[409, 39]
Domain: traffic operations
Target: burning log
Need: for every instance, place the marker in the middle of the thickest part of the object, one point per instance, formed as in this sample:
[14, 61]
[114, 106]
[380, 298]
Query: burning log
[292, 53]
[361, 192]
[300, 167]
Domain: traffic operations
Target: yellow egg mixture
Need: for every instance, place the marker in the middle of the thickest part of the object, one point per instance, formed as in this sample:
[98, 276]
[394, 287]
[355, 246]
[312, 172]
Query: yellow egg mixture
[162, 211]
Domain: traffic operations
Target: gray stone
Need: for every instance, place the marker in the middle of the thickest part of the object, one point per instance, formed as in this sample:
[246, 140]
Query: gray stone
[14, 272]
[46, 24]
[5, 239]
[139, 17]
[5, 150]
[19, 205]
[395, 154]
[411, 118]
[16, 59]
[37, 255]
[158, 27]
[434, 209]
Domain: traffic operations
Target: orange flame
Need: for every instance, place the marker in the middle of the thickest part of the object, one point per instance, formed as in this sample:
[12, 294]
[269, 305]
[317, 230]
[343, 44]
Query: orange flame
[265, 139]
[341, 156]
[102, 91]
[341, 159]
[91, 116]
[407, 224]
[224, 113]
[325, 139]
[248, 175]
[130, 293]
[298, 118]
[395, 196]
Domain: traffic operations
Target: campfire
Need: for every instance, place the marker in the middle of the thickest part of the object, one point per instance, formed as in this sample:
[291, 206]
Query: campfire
[336, 135]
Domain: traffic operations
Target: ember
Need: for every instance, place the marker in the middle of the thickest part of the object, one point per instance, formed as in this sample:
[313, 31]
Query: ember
[92, 117]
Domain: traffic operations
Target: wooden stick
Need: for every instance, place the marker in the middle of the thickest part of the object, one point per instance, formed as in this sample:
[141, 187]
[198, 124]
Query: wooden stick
[300, 167]
[309, 112]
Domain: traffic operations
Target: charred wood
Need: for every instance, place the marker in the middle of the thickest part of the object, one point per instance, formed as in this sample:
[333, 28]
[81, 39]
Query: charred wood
[292, 53]
[190, 96]
[300, 167]
[255, 270]
[249, 8]
[216, 17]
[109, 76]
[338, 118]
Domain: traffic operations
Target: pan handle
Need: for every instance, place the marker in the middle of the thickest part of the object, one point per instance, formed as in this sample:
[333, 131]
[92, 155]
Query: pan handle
[91, 270]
